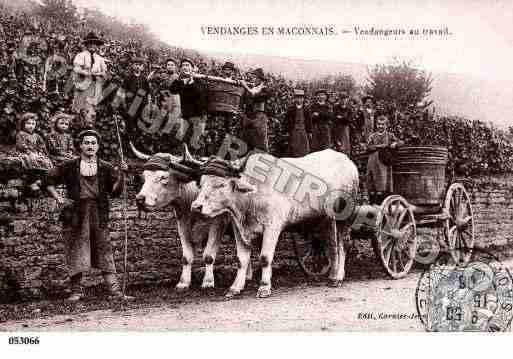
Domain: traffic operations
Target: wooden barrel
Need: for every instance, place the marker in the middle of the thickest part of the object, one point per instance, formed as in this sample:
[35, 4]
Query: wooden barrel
[223, 97]
[419, 174]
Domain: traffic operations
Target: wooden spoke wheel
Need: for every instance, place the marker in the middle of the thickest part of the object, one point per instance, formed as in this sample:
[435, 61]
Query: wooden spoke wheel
[459, 227]
[312, 254]
[395, 242]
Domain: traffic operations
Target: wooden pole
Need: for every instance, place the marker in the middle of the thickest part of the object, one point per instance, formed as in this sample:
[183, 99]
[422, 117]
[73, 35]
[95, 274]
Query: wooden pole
[125, 256]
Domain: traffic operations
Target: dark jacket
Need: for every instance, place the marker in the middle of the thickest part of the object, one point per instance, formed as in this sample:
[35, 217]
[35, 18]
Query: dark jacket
[193, 99]
[256, 103]
[136, 86]
[324, 114]
[291, 117]
[68, 173]
[341, 115]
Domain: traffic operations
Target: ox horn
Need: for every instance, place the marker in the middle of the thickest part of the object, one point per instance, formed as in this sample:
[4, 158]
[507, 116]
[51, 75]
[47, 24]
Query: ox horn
[177, 164]
[139, 154]
[189, 158]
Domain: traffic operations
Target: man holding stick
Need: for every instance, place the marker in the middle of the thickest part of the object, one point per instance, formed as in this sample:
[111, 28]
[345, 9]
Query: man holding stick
[90, 183]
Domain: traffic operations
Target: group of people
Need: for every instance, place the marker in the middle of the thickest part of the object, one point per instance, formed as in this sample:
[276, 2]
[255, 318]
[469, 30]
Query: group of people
[63, 158]
[327, 122]
[331, 122]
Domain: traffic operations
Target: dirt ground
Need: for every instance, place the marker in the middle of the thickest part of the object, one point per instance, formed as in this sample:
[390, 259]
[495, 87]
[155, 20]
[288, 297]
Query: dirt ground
[297, 304]
[300, 308]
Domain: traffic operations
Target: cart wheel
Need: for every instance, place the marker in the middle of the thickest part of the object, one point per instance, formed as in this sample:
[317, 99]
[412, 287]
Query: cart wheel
[395, 243]
[312, 254]
[459, 227]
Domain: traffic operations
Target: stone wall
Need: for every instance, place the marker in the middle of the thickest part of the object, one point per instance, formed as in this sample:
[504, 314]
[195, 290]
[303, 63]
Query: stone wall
[32, 262]
[32, 258]
[492, 198]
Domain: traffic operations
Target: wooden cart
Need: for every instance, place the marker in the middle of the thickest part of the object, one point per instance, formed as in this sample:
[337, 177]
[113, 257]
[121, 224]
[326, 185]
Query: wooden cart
[422, 198]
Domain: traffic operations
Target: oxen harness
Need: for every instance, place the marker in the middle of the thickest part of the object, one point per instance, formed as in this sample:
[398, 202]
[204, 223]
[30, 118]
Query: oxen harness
[164, 163]
[220, 168]
[216, 166]
[193, 171]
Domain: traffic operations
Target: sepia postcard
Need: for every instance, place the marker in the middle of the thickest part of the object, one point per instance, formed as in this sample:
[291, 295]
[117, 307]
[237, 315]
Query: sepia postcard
[236, 166]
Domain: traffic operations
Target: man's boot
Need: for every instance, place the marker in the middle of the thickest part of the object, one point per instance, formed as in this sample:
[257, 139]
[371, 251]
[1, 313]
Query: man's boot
[77, 292]
[113, 288]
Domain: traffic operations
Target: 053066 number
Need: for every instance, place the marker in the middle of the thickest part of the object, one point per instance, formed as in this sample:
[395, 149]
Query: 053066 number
[24, 340]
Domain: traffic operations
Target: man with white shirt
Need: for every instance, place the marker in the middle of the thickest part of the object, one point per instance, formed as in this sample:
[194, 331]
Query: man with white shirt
[89, 72]
[90, 183]
[254, 124]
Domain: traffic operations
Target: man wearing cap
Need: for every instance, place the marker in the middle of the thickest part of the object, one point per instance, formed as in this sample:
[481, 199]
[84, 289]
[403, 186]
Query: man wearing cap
[321, 117]
[90, 184]
[228, 71]
[368, 116]
[193, 102]
[298, 126]
[89, 70]
[342, 117]
[225, 123]
[254, 123]
[169, 103]
[134, 94]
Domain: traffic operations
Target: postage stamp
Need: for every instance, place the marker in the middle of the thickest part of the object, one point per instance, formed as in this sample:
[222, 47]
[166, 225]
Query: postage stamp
[475, 296]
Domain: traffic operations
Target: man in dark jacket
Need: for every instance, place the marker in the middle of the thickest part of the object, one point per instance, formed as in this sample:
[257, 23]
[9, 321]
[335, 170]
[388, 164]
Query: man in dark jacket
[342, 117]
[90, 183]
[298, 126]
[322, 121]
[254, 123]
[369, 113]
[134, 94]
[193, 100]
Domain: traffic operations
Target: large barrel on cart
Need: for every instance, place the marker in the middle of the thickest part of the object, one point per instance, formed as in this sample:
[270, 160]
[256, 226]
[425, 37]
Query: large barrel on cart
[419, 174]
[422, 198]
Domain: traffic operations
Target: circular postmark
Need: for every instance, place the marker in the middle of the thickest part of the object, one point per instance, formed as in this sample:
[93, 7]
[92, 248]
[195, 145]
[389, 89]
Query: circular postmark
[476, 296]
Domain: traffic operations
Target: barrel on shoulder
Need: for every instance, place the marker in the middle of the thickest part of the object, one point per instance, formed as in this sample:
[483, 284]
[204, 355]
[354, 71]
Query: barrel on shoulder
[419, 174]
[224, 97]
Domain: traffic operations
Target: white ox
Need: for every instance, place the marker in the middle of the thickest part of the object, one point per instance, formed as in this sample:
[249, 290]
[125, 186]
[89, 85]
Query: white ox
[272, 194]
[175, 186]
